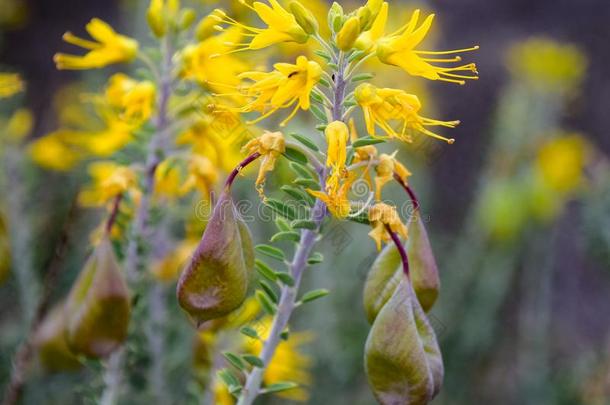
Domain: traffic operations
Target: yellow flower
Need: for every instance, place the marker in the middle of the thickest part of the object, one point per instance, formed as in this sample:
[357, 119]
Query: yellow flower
[288, 363]
[547, 64]
[202, 176]
[349, 34]
[337, 135]
[270, 145]
[398, 49]
[53, 152]
[10, 84]
[210, 64]
[381, 106]
[382, 216]
[168, 179]
[336, 195]
[135, 99]
[387, 167]
[367, 41]
[110, 48]
[168, 268]
[160, 13]
[287, 85]
[109, 180]
[561, 162]
[281, 26]
[19, 125]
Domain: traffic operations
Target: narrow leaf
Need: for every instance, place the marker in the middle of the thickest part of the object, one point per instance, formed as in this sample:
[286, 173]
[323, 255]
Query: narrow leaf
[306, 142]
[253, 360]
[269, 291]
[315, 258]
[234, 360]
[280, 387]
[367, 141]
[248, 331]
[289, 235]
[285, 278]
[265, 271]
[265, 302]
[314, 295]
[270, 251]
[295, 155]
[301, 170]
[280, 208]
[304, 224]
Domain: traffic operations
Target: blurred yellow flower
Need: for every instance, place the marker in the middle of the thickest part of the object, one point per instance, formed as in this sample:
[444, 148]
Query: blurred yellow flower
[160, 13]
[109, 181]
[202, 176]
[561, 161]
[281, 26]
[270, 146]
[382, 216]
[547, 64]
[169, 267]
[381, 106]
[135, 99]
[168, 179]
[19, 125]
[284, 87]
[116, 134]
[336, 195]
[210, 64]
[398, 49]
[53, 151]
[367, 41]
[10, 84]
[110, 48]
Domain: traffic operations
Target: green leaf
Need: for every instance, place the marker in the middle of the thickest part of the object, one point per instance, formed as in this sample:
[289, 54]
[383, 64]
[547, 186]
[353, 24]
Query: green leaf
[315, 258]
[285, 278]
[300, 195]
[350, 156]
[304, 224]
[269, 291]
[280, 387]
[362, 76]
[306, 142]
[271, 251]
[295, 155]
[282, 224]
[265, 271]
[288, 235]
[367, 141]
[312, 184]
[228, 378]
[248, 331]
[321, 127]
[234, 360]
[301, 170]
[356, 55]
[319, 114]
[362, 218]
[324, 83]
[314, 295]
[253, 360]
[323, 55]
[285, 335]
[265, 302]
[280, 208]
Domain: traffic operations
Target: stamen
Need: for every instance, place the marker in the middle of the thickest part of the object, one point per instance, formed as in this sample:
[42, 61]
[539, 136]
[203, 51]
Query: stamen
[456, 59]
[291, 116]
[474, 48]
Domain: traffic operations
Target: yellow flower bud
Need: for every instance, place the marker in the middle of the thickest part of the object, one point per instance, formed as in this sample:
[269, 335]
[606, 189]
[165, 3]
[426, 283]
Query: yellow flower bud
[304, 18]
[206, 27]
[348, 34]
[187, 18]
[155, 15]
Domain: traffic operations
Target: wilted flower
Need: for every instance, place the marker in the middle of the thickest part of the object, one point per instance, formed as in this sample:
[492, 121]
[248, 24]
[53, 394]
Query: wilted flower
[110, 48]
[383, 216]
[270, 146]
[387, 167]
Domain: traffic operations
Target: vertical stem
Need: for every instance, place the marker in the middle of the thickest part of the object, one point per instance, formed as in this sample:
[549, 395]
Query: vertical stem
[299, 262]
[113, 376]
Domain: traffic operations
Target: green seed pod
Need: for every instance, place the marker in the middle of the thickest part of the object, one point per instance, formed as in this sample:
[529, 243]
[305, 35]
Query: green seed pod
[50, 343]
[402, 359]
[304, 18]
[98, 308]
[216, 280]
[386, 272]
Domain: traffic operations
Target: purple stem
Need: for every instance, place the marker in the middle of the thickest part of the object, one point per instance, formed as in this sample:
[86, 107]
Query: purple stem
[409, 191]
[401, 250]
[239, 168]
[114, 213]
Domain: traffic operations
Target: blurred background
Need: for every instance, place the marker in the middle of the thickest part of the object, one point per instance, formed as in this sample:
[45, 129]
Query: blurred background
[518, 210]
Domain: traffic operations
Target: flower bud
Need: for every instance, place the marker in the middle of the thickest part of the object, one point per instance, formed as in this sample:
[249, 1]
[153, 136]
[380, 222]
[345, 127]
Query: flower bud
[216, 280]
[335, 17]
[156, 18]
[403, 361]
[187, 18]
[206, 27]
[304, 18]
[348, 34]
[386, 272]
[50, 342]
[98, 307]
